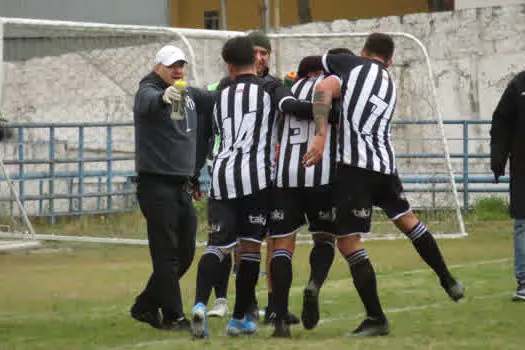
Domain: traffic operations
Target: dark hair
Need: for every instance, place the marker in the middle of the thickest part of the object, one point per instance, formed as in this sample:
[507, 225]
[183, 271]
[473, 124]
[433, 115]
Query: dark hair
[338, 50]
[309, 64]
[260, 39]
[238, 51]
[380, 44]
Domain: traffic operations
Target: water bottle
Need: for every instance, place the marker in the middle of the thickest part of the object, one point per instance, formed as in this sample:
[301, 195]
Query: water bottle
[177, 111]
[289, 79]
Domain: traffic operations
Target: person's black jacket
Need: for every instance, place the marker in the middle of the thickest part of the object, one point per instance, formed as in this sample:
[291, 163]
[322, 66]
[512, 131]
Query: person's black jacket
[164, 146]
[507, 141]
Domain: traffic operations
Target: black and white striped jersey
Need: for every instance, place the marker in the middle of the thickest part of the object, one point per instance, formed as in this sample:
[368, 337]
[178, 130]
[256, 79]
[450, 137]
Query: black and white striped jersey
[368, 101]
[244, 116]
[297, 136]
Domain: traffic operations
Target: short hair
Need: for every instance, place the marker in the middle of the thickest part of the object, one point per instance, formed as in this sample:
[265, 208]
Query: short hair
[339, 50]
[309, 64]
[238, 51]
[260, 39]
[381, 45]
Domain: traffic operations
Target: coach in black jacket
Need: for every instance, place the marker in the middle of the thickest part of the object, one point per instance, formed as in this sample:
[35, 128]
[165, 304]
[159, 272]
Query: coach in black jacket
[508, 142]
[165, 157]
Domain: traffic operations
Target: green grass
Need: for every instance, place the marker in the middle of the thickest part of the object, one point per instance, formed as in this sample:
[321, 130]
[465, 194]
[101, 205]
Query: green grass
[78, 297]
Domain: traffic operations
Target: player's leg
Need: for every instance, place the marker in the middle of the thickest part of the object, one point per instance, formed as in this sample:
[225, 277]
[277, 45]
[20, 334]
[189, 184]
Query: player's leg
[519, 259]
[321, 214]
[220, 286]
[353, 218]
[222, 237]
[397, 208]
[286, 217]
[252, 215]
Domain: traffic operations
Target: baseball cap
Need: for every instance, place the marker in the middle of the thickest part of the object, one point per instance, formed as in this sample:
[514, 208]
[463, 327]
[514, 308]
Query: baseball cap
[170, 54]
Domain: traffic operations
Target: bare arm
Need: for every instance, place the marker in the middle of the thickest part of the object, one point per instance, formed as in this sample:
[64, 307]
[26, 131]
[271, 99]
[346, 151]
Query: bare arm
[325, 91]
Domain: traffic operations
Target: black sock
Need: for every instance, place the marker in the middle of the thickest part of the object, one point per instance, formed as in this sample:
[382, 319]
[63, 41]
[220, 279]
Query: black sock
[223, 277]
[321, 259]
[247, 277]
[281, 272]
[270, 297]
[429, 251]
[208, 268]
[365, 282]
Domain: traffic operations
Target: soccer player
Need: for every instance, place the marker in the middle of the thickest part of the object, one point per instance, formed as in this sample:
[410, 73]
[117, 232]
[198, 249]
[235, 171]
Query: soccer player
[244, 116]
[303, 193]
[367, 174]
[262, 49]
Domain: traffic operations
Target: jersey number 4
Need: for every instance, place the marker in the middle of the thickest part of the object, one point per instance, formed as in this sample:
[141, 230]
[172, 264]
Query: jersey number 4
[242, 139]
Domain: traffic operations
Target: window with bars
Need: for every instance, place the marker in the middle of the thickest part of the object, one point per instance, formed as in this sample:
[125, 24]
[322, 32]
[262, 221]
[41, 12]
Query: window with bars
[211, 19]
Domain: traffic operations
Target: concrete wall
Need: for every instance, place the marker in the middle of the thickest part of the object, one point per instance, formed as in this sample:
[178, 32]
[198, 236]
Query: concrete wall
[474, 52]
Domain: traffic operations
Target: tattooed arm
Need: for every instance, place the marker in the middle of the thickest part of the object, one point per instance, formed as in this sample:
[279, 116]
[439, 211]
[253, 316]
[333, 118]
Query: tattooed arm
[325, 91]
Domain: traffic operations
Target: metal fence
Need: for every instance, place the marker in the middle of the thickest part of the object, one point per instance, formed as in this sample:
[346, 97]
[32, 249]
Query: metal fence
[89, 168]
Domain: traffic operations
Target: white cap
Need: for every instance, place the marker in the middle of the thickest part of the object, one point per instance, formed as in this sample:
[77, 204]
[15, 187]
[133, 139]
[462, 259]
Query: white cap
[170, 54]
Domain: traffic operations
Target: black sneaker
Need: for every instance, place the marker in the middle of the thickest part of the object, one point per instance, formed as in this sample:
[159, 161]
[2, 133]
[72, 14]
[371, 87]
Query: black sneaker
[253, 312]
[147, 315]
[282, 329]
[520, 293]
[269, 316]
[291, 319]
[310, 313]
[180, 324]
[455, 290]
[371, 328]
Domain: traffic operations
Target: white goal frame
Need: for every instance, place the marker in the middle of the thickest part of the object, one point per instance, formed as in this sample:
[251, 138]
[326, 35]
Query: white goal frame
[184, 34]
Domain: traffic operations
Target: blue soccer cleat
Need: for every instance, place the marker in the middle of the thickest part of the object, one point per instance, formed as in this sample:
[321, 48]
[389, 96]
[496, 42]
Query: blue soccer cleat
[235, 327]
[199, 322]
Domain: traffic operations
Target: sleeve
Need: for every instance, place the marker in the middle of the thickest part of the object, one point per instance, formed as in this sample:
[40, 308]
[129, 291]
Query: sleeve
[149, 101]
[204, 129]
[339, 64]
[502, 127]
[204, 100]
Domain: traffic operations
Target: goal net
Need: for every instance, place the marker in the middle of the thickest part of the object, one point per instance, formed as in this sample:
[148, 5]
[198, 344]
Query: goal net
[69, 72]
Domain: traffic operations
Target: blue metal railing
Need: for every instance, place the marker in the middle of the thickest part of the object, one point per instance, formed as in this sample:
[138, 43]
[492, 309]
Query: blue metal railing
[105, 155]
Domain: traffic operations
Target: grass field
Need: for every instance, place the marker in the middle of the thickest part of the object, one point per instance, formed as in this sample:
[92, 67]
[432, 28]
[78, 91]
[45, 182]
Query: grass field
[77, 296]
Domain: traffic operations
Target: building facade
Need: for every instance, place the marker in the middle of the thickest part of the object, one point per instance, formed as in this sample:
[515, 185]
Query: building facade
[249, 14]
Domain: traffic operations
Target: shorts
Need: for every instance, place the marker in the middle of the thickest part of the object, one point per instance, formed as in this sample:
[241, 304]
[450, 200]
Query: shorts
[291, 208]
[242, 218]
[358, 190]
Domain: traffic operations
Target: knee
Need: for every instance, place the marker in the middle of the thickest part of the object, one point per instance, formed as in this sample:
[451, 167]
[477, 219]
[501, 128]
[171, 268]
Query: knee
[349, 244]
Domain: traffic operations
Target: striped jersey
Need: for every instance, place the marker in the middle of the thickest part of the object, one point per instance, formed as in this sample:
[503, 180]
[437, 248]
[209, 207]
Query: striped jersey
[368, 101]
[297, 136]
[244, 117]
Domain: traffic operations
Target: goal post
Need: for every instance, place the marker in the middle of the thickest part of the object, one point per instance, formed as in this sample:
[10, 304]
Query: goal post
[89, 72]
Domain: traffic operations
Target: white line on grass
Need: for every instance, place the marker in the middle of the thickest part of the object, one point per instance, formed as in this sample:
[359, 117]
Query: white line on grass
[417, 308]
[328, 320]
[459, 266]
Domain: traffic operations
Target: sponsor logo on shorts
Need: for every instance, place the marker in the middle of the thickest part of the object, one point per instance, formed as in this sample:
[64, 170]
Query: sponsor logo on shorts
[327, 215]
[257, 219]
[277, 215]
[361, 213]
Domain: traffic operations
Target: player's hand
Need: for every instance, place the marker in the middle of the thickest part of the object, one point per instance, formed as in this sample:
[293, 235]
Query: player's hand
[171, 94]
[315, 153]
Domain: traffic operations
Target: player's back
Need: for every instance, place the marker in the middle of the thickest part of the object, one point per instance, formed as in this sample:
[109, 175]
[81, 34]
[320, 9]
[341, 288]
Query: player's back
[245, 120]
[369, 99]
[297, 135]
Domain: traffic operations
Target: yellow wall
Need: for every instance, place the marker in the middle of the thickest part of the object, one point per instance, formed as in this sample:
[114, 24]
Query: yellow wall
[246, 14]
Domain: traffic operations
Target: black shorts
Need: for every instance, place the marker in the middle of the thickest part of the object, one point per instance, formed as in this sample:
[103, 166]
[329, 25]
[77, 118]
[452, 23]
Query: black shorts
[242, 218]
[292, 207]
[358, 190]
